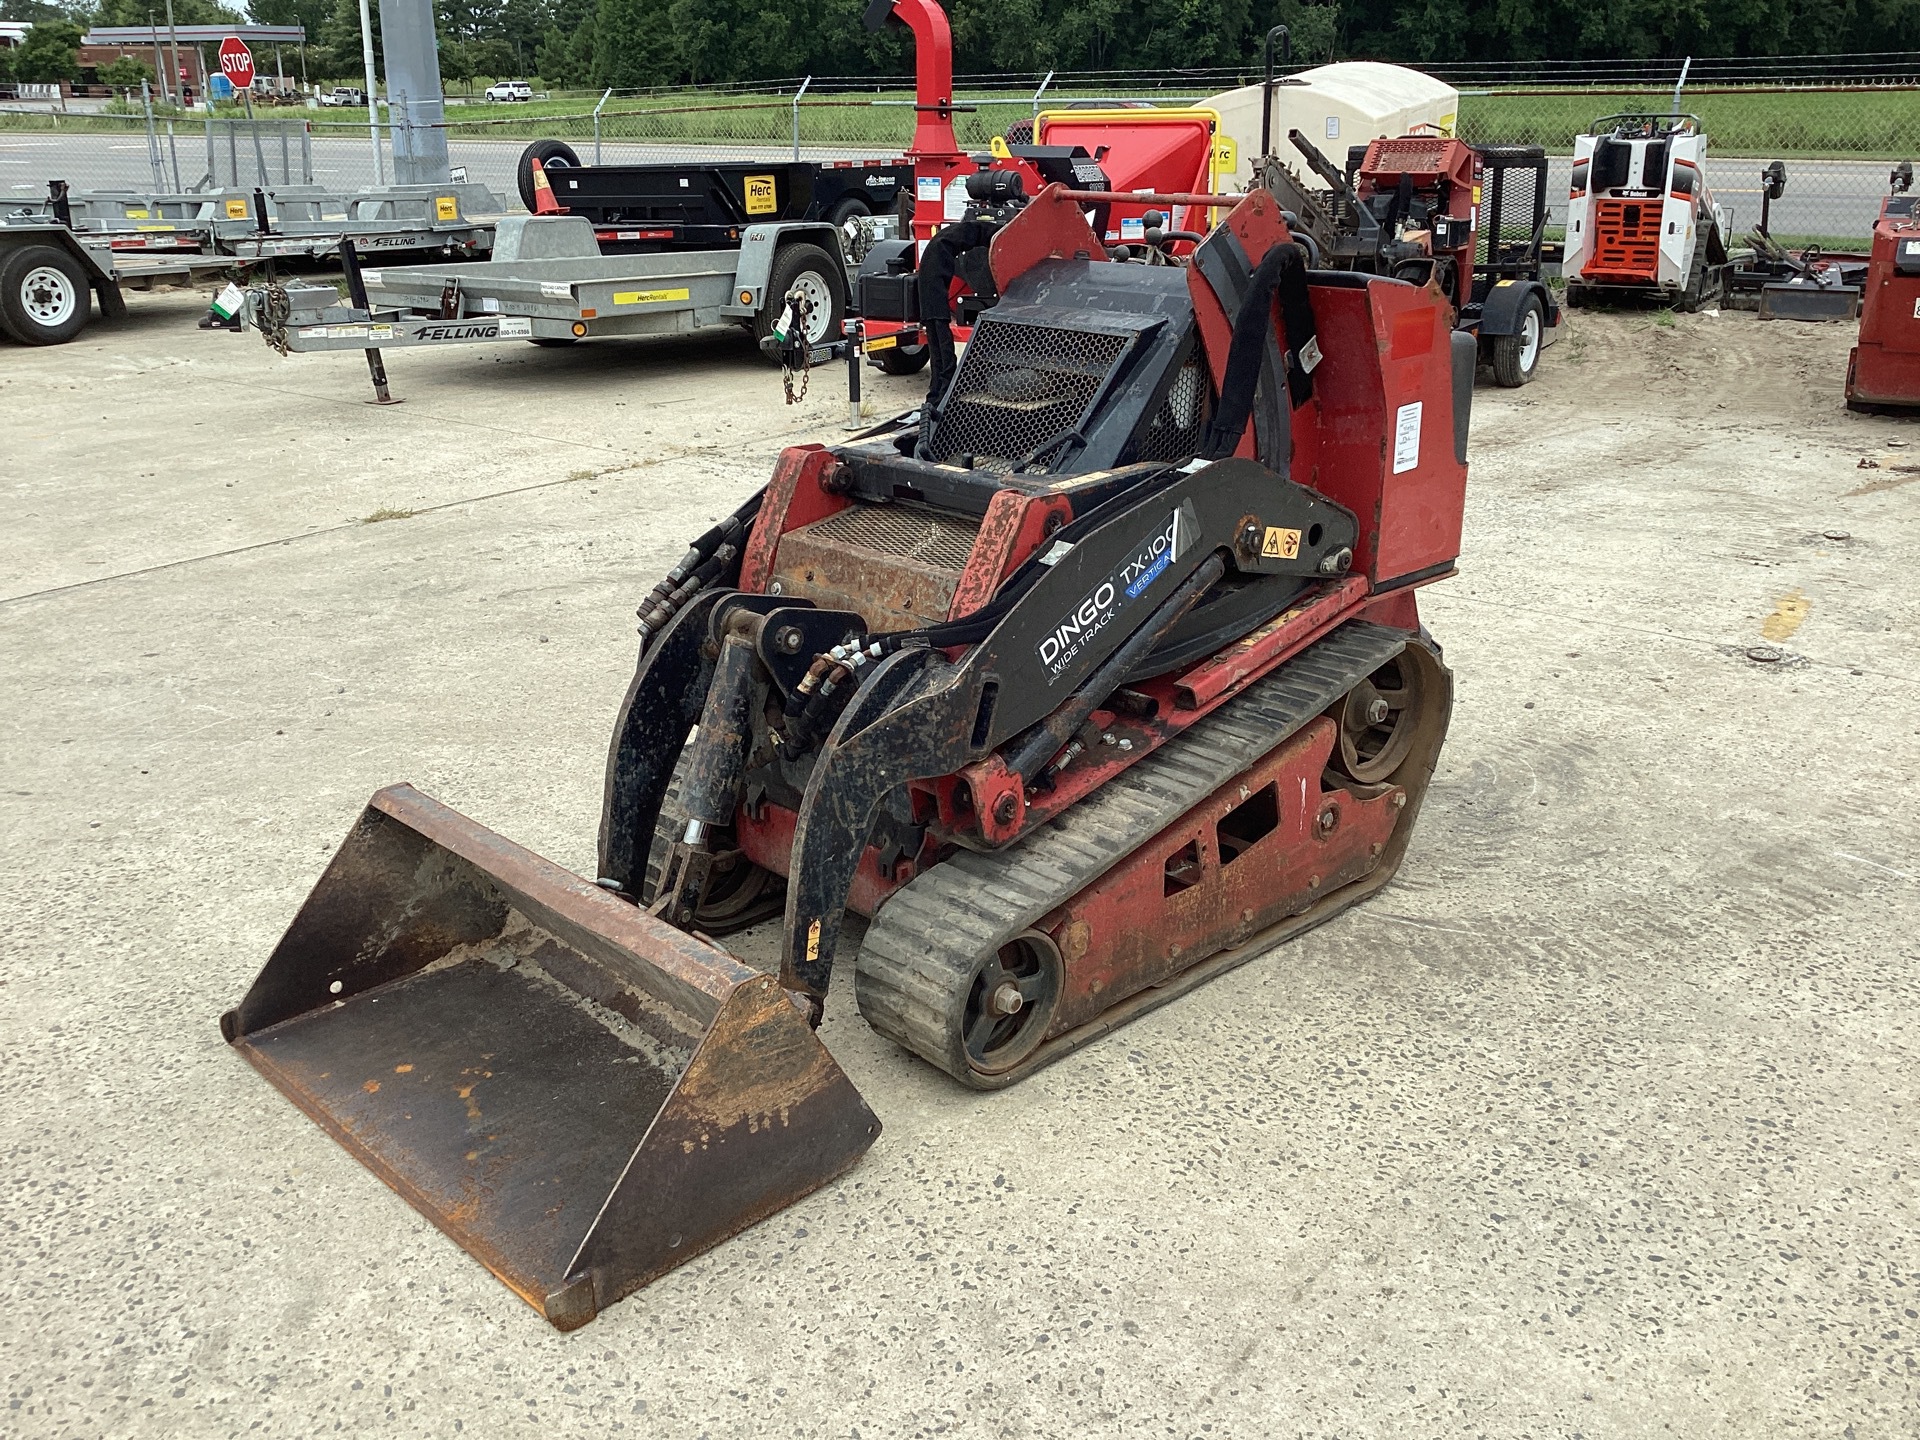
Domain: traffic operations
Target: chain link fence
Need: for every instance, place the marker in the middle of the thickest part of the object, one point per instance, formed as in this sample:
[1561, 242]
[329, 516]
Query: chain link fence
[1839, 134]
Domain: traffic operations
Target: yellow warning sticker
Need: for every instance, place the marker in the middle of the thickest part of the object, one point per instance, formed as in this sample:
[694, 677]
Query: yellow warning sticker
[1226, 155]
[813, 942]
[445, 207]
[1280, 544]
[648, 297]
[133, 214]
[882, 342]
[760, 196]
[236, 209]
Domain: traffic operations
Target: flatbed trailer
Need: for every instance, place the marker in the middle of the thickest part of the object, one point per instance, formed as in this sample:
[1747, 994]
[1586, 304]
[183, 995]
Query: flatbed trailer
[288, 222]
[549, 283]
[51, 278]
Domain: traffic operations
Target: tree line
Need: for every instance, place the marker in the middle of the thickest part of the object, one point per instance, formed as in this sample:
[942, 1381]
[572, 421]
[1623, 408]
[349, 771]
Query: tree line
[630, 43]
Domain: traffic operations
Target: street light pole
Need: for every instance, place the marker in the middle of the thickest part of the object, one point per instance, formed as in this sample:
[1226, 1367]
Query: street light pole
[373, 101]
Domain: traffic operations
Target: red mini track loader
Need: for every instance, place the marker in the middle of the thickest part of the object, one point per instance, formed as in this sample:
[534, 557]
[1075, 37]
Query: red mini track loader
[1883, 372]
[1024, 713]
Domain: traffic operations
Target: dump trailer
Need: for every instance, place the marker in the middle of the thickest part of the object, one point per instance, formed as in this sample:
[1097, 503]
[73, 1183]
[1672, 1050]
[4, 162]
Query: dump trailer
[1641, 221]
[704, 204]
[1084, 683]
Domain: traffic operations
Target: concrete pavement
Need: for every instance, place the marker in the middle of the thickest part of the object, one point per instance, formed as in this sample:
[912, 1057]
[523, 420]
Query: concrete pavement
[1598, 1121]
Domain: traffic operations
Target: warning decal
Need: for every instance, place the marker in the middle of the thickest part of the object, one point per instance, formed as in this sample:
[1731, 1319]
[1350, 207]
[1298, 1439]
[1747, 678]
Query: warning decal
[1406, 438]
[1280, 544]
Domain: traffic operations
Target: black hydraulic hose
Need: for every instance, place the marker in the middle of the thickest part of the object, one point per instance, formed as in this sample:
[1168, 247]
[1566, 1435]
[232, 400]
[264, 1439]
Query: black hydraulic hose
[933, 280]
[1252, 327]
[707, 558]
[1040, 742]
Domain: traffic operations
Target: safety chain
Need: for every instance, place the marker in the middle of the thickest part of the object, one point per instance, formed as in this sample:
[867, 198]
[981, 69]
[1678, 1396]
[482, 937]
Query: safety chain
[274, 311]
[795, 321]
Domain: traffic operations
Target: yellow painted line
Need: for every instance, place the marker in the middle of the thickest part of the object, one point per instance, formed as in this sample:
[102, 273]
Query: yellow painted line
[1789, 613]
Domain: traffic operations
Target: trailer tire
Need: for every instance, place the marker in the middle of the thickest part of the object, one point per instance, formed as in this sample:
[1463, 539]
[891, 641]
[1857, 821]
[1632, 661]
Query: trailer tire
[795, 264]
[46, 297]
[1517, 356]
[904, 359]
[846, 209]
[552, 155]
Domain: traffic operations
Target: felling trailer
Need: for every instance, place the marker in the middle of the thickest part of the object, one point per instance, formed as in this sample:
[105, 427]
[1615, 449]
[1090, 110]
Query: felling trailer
[549, 282]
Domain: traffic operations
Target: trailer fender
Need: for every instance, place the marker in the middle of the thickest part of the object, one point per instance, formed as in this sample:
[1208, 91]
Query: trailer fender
[1506, 301]
[758, 245]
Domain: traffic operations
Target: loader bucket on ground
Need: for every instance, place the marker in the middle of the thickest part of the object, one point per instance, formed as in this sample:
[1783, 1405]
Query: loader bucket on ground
[579, 1094]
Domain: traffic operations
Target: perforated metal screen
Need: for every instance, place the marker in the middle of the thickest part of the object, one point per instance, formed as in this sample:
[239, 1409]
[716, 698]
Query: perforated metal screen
[902, 531]
[1021, 386]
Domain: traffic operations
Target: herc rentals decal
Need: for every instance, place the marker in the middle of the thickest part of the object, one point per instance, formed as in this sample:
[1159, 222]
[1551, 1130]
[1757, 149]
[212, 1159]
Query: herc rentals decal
[1127, 582]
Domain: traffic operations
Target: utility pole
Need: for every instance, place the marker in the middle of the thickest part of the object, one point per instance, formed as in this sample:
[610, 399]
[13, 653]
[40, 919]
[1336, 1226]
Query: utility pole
[373, 101]
[173, 39]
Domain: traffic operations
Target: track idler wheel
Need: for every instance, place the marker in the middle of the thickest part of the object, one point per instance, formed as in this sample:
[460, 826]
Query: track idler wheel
[1381, 718]
[1010, 1002]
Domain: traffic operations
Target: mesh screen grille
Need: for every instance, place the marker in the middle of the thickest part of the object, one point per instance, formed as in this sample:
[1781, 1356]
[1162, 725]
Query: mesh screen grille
[899, 530]
[1506, 233]
[1174, 432]
[1020, 386]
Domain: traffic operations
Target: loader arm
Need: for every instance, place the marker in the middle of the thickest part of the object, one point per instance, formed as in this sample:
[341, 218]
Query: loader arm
[918, 717]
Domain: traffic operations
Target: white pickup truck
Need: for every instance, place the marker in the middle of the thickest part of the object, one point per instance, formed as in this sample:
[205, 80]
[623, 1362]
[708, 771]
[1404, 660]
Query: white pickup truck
[343, 95]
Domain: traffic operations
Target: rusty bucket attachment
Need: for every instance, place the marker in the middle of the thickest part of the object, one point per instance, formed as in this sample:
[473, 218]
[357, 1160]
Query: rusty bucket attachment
[580, 1095]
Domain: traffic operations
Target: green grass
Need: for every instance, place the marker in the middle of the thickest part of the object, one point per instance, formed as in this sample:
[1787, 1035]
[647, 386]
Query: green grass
[1861, 124]
[1867, 124]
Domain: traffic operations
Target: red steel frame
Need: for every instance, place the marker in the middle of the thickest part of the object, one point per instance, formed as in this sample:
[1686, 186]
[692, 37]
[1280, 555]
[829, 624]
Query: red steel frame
[1387, 348]
[1884, 368]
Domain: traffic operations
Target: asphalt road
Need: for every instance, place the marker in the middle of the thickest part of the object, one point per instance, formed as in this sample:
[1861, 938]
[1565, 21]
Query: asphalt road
[1824, 197]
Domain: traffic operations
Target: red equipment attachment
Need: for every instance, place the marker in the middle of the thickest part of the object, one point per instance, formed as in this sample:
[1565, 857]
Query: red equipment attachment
[1884, 369]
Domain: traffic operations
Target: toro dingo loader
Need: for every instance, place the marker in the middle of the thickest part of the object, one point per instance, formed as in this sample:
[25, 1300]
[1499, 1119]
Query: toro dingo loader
[1090, 679]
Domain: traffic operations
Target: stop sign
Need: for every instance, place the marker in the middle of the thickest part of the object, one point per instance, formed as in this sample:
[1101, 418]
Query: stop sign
[236, 62]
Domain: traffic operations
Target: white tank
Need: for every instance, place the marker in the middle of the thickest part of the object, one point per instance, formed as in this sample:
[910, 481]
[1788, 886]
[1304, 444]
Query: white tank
[1335, 106]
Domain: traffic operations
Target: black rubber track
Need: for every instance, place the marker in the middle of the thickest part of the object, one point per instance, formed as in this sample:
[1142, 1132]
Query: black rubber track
[918, 960]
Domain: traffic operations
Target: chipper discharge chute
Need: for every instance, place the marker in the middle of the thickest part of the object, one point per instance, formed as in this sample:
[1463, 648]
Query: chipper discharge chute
[1084, 682]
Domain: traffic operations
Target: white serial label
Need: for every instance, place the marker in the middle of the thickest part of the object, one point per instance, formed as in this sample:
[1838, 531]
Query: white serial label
[511, 329]
[1333, 127]
[372, 277]
[557, 289]
[489, 305]
[1406, 438]
[926, 190]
